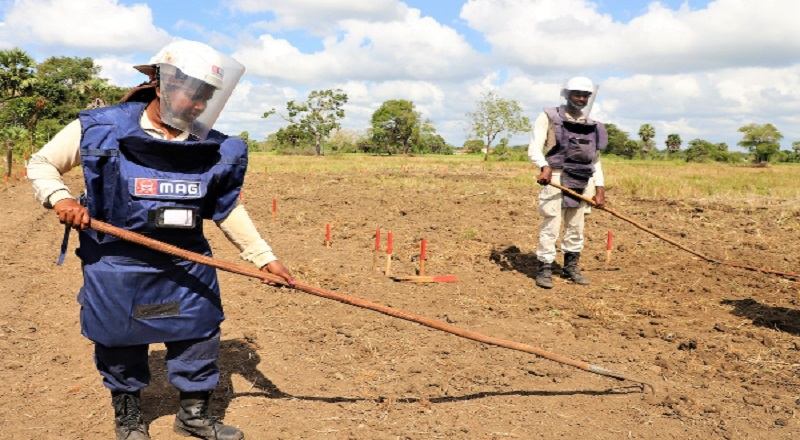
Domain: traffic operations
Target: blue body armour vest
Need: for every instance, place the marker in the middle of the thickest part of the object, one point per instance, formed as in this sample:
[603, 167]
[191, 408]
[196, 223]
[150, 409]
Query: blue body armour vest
[577, 146]
[133, 295]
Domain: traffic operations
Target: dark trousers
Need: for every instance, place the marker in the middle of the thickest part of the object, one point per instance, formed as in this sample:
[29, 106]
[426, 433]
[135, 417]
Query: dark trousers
[191, 365]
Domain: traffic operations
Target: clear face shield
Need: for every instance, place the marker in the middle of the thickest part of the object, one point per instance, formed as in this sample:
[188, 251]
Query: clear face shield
[194, 90]
[580, 102]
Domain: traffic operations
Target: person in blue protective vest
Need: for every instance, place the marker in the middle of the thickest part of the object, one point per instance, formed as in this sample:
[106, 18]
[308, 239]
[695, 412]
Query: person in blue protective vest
[566, 145]
[152, 164]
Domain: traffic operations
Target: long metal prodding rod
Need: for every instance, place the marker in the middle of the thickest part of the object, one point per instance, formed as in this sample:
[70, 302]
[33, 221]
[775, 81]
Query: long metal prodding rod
[670, 241]
[255, 273]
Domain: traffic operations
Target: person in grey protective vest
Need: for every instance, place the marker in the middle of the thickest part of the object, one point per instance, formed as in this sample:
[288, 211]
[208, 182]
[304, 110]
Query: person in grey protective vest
[566, 145]
[153, 165]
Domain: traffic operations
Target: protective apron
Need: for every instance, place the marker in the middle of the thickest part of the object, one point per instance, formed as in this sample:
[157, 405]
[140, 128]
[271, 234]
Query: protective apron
[162, 189]
[577, 145]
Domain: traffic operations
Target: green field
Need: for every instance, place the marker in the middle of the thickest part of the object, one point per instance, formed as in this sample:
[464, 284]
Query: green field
[642, 179]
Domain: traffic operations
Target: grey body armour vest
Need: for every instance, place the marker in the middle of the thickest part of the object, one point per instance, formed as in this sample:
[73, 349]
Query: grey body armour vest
[577, 146]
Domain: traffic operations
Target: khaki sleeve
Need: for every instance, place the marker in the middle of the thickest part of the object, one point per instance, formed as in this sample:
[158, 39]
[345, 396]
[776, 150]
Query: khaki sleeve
[542, 139]
[238, 227]
[599, 179]
[56, 158]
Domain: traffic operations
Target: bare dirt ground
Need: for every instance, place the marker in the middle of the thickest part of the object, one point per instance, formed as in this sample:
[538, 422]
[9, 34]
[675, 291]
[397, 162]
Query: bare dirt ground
[721, 345]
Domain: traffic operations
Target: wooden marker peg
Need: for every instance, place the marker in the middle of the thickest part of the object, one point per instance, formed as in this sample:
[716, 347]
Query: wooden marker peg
[422, 248]
[328, 235]
[376, 250]
[388, 254]
[608, 248]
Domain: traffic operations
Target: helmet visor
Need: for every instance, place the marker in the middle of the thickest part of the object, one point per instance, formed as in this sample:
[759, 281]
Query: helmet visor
[194, 92]
[581, 100]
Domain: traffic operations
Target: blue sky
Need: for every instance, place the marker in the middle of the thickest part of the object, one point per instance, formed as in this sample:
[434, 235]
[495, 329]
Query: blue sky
[700, 69]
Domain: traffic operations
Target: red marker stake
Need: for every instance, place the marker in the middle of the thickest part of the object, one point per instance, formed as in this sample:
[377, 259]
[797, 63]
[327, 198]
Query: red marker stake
[422, 248]
[388, 254]
[608, 248]
[377, 250]
[274, 209]
[328, 235]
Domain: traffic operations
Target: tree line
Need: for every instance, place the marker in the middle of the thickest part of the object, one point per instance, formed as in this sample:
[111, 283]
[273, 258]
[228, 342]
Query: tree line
[38, 100]
[762, 141]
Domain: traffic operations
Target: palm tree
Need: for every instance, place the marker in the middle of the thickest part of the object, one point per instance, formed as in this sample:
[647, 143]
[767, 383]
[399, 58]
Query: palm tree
[646, 133]
[11, 135]
[16, 73]
[673, 143]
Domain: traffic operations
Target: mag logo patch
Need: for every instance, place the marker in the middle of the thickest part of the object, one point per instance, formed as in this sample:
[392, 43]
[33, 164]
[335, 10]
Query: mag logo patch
[167, 188]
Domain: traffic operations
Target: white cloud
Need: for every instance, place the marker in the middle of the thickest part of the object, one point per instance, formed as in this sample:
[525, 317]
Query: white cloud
[571, 34]
[412, 47]
[119, 71]
[102, 25]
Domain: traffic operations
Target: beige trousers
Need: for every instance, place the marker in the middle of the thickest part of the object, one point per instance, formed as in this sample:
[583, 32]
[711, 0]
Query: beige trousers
[553, 215]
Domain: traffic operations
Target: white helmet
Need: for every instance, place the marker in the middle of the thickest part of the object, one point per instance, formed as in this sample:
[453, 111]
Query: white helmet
[185, 64]
[194, 59]
[584, 85]
[578, 84]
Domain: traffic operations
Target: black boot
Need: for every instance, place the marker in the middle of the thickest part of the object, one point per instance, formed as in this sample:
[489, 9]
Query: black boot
[544, 276]
[571, 271]
[128, 416]
[193, 419]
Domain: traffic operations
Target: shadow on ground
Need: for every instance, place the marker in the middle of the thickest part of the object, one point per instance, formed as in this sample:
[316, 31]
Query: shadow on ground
[239, 357]
[777, 318]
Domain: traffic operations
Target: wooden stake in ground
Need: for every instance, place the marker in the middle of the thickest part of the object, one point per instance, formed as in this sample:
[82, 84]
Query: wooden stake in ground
[377, 250]
[422, 247]
[328, 235]
[608, 248]
[388, 254]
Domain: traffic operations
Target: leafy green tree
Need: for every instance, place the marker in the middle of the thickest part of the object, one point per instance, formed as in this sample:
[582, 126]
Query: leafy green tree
[796, 147]
[317, 116]
[292, 137]
[631, 148]
[426, 140]
[761, 140]
[495, 115]
[646, 133]
[24, 111]
[673, 143]
[616, 140]
[344, 140]
[473, 145]
[252, 145]
[700, 150]
[394, 125]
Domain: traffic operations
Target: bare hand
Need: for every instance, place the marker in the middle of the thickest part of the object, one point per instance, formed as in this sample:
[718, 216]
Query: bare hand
[72, 214]
[545, 176]
[599, 197]
[277, 268]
